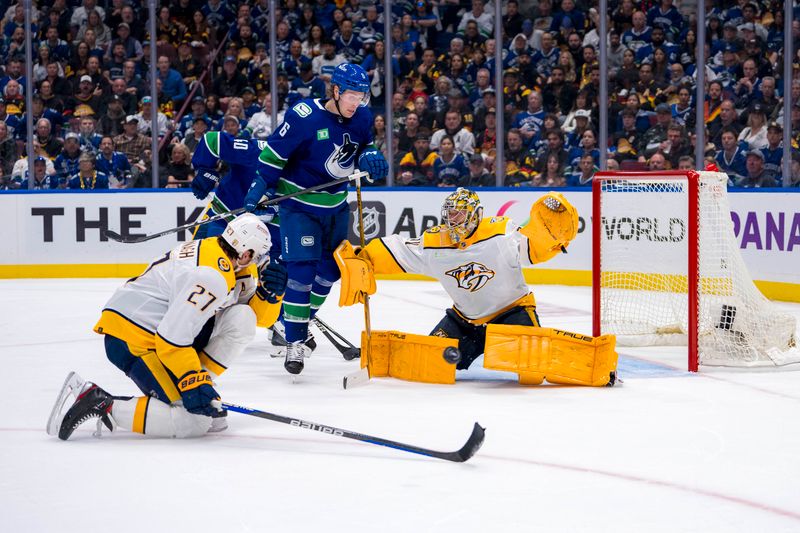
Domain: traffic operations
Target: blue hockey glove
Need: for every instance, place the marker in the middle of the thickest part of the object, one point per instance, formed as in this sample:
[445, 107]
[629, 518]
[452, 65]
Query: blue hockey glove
[273, 282]
[197, 393]
[258, 188]
[372, 161]
[204, 182]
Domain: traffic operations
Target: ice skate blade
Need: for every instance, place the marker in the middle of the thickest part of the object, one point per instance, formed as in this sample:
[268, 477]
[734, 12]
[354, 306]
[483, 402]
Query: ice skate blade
[72, 387]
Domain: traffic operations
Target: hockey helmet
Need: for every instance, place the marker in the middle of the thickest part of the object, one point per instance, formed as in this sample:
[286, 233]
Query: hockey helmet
[351, 77]
[461, 213]
[247, 232]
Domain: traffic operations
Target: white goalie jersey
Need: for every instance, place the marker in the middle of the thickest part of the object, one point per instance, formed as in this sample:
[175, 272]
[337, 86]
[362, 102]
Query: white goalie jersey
[482, 274]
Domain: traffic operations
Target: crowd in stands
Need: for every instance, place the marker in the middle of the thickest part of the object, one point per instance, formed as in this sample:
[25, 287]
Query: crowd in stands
[91, 104]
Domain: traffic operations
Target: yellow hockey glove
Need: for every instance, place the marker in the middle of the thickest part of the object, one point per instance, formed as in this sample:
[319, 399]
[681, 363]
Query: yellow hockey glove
[553, 224]
[358, 276]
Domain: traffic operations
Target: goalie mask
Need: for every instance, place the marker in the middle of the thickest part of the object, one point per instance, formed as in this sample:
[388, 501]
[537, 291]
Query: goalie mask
[461, 213]
[247, 232]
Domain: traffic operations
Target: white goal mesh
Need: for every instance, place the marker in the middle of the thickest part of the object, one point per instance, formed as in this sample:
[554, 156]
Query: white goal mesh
[645, 245]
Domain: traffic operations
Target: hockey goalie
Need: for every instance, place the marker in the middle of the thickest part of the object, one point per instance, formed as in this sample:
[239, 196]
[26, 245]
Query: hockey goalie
[479, 263]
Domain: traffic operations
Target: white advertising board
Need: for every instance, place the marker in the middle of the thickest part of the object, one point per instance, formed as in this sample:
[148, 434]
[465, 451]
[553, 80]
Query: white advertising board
[40, 230]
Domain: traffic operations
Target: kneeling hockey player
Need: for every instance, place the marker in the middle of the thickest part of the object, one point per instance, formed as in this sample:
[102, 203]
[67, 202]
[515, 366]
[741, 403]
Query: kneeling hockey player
[174, 328]
[479, 263]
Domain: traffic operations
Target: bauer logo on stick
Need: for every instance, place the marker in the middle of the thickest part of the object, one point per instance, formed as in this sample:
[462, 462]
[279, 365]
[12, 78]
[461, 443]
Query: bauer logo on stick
[472, 276]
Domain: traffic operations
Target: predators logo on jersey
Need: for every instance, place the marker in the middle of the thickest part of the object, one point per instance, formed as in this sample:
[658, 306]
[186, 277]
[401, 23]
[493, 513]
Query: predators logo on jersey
[472, 276]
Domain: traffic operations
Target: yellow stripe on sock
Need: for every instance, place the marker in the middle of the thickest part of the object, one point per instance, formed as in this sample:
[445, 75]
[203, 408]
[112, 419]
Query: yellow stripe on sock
[140, 414]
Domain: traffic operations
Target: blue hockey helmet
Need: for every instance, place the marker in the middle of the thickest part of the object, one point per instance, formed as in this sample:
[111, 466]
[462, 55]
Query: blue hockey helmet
[351, 77]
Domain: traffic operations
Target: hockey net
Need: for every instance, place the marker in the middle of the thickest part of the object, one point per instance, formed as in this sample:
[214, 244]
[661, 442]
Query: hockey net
[667, 270]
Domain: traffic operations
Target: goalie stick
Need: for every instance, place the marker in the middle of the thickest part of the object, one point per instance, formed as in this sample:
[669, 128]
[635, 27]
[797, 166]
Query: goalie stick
[348, 350]
[133, 239]
[469, 448]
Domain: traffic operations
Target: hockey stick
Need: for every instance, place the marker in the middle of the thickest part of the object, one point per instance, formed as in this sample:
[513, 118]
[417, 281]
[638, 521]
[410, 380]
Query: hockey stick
[362, 376]
[348, 350]
[469, 448]
[131, 239]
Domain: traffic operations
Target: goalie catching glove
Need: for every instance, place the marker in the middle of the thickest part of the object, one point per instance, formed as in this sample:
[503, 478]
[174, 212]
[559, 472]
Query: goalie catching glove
[552, 225]
[358, 276]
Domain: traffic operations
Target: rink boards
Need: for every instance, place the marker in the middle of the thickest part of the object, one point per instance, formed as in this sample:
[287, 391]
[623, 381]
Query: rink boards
[60, 234]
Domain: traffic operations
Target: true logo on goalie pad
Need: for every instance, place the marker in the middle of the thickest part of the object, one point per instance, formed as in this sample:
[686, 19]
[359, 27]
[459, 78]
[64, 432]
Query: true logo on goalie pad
[472, 276]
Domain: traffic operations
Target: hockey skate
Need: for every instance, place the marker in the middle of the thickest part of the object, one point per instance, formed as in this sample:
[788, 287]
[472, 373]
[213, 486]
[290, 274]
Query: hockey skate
[278, 341]
[219, 422]
[90, 402]
[295, 353]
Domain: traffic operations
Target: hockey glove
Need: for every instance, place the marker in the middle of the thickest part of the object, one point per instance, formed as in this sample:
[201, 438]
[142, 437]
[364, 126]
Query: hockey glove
[273, 282]
[372, 161]
[204, 182]
[197, 393]
[258, 188]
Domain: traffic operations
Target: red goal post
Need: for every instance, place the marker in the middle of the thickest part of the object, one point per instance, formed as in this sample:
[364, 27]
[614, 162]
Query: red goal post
[666, 270]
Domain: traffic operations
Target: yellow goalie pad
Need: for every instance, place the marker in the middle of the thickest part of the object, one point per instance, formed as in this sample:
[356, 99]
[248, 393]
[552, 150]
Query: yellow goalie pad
[358, 277]
[558, 356]
[409, 357]
[552, 225]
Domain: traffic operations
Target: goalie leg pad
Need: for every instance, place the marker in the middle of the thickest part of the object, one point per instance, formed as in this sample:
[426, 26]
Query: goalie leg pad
[358, 276]
[552, 354]
[409, 357]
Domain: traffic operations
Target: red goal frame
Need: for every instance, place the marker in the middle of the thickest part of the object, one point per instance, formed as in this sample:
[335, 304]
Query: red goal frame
[693, 252]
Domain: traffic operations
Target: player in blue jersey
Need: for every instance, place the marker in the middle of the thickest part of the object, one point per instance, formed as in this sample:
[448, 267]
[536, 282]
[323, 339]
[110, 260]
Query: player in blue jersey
[319, 141]
[241, 157]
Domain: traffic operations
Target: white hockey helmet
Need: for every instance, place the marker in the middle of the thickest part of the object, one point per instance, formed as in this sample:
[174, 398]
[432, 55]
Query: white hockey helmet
[247, 232]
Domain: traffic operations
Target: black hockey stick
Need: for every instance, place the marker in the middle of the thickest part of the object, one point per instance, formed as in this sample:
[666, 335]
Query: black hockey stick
[348, 350]
[472, 445]
[133, 239]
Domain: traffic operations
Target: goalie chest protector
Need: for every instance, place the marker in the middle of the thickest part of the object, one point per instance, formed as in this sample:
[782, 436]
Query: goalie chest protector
[482, 274]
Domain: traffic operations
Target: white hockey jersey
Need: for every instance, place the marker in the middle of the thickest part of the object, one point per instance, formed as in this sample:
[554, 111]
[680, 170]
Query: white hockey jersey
[482, 274]
[165, 307]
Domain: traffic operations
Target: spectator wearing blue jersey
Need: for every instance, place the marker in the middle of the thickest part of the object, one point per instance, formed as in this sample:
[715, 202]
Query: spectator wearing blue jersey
[666, 17]
[731, 158]
[773, 152]
[42, 181]
[639, 35]
[88, 177]
[66, 164]
[89, 138]
[348, 44]
[198, 112]
[583, 173]
[308, 84]
[568, 17]
[114, 165]
[450, 168]
[529, 122]
[172, 84]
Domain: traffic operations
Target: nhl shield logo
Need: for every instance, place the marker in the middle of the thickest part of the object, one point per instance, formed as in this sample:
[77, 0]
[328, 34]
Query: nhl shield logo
[472, 276]
[374, 221]
[372, 226]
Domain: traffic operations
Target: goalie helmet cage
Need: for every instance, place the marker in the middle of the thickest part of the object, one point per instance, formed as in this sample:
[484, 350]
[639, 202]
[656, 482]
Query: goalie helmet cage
[666, 270]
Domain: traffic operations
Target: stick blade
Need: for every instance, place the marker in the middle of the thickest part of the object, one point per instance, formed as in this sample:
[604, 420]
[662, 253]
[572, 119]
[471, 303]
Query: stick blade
[473, 444]
[356, 379]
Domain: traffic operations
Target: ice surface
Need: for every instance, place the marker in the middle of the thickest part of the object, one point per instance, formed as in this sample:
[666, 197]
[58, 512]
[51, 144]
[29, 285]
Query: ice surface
[667, 451]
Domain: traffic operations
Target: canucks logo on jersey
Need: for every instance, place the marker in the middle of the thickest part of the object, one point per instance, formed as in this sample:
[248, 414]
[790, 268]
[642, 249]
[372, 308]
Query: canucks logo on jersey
[341, 162]
[472, 276]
